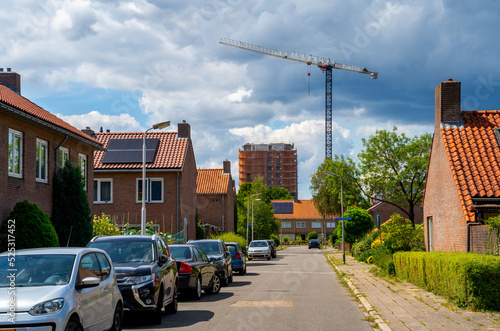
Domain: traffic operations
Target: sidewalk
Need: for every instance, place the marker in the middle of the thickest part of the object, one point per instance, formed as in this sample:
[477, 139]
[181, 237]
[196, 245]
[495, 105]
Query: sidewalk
[403, 306]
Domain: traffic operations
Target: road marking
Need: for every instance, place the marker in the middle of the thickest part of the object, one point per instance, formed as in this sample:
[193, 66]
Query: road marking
[285, 304]
[295, 272]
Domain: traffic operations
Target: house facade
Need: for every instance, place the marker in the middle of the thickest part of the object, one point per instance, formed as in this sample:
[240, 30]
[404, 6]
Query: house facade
[170, 179]
[34, 144]
[463, 177]
[216, 197]
[300, 217]
[385, 210]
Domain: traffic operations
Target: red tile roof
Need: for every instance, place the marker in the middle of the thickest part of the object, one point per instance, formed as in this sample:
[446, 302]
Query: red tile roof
[302, 209]
[170, 153]
[474, 157]
[212, 181]
[24, 105]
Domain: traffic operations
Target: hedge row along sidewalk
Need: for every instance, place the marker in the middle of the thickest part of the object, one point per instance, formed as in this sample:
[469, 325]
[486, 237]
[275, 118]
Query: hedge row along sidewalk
[404, 306]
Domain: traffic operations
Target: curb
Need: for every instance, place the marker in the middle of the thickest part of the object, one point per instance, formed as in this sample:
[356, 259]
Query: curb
[381, 324]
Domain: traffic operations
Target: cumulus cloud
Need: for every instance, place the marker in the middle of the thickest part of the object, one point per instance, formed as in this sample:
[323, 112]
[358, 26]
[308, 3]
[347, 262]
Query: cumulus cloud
[95, 120]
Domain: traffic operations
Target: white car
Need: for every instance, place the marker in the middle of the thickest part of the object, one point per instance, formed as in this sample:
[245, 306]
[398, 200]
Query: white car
[59, 289]
[259, 248]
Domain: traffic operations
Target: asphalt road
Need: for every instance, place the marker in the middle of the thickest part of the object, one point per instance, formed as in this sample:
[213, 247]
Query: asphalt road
[296, 291]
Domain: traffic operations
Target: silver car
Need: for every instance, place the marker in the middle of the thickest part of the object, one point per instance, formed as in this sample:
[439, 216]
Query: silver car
[59, 289]
[259, 248]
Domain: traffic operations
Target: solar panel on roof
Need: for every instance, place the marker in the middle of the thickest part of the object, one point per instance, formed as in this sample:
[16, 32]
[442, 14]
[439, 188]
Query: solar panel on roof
[283, 207]
[129, 150]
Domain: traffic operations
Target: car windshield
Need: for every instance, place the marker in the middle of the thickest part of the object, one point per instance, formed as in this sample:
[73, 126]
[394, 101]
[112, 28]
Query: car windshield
[180, 253]
[232, 248]
[258, 244]
[37, 269]
[210, 248]
[127, 251]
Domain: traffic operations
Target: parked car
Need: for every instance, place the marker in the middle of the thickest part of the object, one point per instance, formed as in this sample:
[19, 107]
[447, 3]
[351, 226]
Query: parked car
[217, 252]
[196, 271]
[314, 243]
[145, 271]
[239, 259]
[59, 289]
[259, 248]
[273, 247]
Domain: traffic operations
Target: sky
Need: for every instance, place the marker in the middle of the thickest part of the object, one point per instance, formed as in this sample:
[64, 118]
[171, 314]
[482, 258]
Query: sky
[126, 65]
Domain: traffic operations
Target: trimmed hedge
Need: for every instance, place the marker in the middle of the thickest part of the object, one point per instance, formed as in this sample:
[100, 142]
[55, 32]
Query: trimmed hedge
[468, 279]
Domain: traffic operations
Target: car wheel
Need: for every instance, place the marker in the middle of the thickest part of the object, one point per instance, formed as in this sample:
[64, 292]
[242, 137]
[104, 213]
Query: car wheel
[269, 257]
[224, 281]
[230, 278]
[73, 325]
[172, 306]
[117, 318]
[245, 269]
[197, 290]
[215, 288]
[157, 312]
[309, 247]
[249, 259]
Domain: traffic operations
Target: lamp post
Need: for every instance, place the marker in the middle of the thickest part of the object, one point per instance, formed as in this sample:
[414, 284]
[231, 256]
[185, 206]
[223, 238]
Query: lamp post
[341, 209]
[157, 126]
[248, 212]
[252, 215]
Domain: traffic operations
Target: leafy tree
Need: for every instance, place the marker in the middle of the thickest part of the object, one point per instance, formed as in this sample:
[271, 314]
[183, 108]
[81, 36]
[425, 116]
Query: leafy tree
[276, 239]
[278, 193]
[71, 210]
[394, 168]
[200, 231]
[104, 226]
[360, 224]
[231, 237]
[312, 235]
[401, 235]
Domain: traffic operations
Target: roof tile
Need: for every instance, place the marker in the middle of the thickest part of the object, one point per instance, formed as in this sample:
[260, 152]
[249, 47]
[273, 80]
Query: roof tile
[212, 181]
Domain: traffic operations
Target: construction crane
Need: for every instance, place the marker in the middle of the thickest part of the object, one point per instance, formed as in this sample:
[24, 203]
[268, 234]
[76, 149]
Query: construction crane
[324, 63]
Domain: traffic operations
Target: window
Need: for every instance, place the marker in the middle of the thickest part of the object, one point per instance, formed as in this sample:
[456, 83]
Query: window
[278, 155]
[41, 160]
[269, 183]
[278, 168]
[269, 161]
[286, 225]
[89, 267]
[249, 176]
[316, 225]
[103, 190]
[269, 168]
[269, 154]
[269, 176]
[301, 225]
[63, 154]
[330, 225]
[278, 183]
[105, 266]
[154, 190]
[430, 229]
[15, 153]
[278, 175]
[278, 162]
[82, 164]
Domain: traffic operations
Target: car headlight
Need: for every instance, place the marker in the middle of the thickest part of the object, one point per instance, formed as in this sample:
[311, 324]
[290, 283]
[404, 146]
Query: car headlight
[141, 279]
[47, 307]
[219, 263]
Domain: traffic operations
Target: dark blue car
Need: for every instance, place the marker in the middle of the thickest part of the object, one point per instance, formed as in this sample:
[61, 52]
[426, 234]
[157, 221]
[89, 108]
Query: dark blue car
[314, 243]
[239, 259]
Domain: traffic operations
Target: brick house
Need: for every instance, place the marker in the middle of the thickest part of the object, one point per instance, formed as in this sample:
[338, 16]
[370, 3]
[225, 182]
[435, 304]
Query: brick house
[216, 197]
[170, 179]
[300, 217]
[34, 144]
[385, 210]
[463, 178]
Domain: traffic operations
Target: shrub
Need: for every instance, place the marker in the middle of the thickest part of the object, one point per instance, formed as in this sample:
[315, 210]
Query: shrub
[32, 229]
[401, 235]
[298, 239]
[231, 237]
[359, 248]
[333, 238]
[276, 240]
[312, 235]
[104, 226]
[285, 240]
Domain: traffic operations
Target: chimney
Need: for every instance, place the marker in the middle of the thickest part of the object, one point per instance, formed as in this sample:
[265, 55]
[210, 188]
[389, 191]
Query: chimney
[88, 131]
[447, 103]
[11, 80]
[226, 167]
[184, 130]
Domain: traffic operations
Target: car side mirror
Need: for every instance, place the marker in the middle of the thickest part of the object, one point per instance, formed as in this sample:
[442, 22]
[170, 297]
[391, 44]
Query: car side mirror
[163, 259]
[89, 282]
[228, 253]
[213, 259]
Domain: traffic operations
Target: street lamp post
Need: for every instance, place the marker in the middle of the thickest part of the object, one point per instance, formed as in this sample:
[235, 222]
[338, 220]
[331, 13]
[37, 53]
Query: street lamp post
[341, 209]
[248, 212]
[157, 126]
[252, 216]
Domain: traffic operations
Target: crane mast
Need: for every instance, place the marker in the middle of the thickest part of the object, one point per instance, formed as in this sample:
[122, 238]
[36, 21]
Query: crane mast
[326, 64]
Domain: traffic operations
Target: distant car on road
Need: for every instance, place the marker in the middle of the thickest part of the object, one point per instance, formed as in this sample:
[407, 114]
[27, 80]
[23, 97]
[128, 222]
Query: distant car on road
[217, 252]
[145, 271]
[259, 248]
[314, 243]
[239, 259]
[272, 244]
[59, 289]
[196, 272]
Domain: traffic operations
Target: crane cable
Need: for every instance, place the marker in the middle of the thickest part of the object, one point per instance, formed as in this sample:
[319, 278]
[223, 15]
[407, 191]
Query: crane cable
[309, 78]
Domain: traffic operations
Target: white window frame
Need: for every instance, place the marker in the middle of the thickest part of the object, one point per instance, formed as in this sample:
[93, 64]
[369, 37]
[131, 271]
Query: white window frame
[316, 225]
[330, 225]
[148, 190]
[64, 152]
[300, 225]
[42, 177]
[286, 225]
[15, 134]
[97, 197]
[83, 168]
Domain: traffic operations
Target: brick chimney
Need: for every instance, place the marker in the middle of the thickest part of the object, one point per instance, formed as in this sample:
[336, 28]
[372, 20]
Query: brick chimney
[184, 130]
[447, 103]
[88, 131]
[226, 167]
[11, 79]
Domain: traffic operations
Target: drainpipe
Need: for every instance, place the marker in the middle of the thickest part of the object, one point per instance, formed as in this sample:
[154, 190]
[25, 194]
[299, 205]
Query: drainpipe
[177, 202]
[57, 151]
[469, 224]
[223, 211]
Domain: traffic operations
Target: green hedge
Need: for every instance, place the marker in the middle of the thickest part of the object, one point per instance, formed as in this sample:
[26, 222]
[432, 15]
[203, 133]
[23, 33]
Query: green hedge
[468, 279]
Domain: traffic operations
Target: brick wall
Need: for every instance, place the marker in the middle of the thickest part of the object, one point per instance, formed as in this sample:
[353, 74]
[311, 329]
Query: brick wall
[481, 241]
[292, 232]
[386, 210]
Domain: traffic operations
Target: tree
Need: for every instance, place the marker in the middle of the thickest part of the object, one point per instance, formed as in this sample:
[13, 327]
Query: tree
[71, 210]
[394, 168]
[312, 235]
[360, 224]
